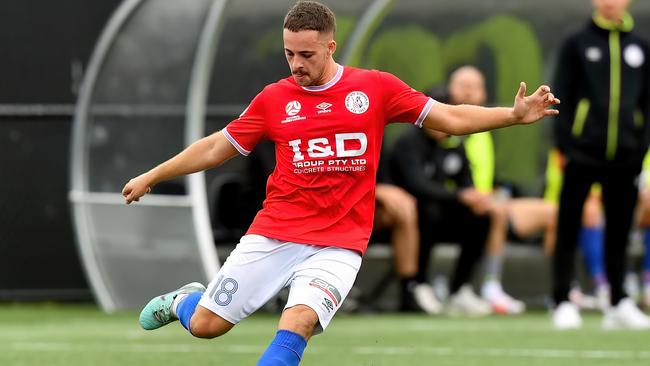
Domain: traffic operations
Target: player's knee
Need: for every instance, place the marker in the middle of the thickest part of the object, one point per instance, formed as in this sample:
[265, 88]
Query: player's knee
[300, 319]
[208, 327]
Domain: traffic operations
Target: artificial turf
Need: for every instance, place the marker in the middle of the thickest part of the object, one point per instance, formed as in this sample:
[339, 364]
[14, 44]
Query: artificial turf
[73, 335]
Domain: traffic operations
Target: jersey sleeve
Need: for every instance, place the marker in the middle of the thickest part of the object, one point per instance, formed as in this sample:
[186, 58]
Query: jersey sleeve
[403, 103]
[246, 131]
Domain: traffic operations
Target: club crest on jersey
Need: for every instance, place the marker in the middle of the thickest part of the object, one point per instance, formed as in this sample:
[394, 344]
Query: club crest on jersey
[357, 102]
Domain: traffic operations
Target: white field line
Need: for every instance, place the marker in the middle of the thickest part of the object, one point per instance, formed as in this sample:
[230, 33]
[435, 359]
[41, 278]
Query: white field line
[506, 352]
[24, 333]
[365, 351]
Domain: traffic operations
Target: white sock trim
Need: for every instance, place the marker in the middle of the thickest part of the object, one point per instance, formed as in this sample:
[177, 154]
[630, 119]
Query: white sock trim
[177, 301]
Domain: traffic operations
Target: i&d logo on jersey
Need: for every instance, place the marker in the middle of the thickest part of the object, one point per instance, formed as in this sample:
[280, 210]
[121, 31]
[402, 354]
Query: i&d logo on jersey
[357, 102]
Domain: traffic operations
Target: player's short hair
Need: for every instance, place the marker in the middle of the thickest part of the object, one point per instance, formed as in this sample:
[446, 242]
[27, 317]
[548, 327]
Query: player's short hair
[310, 15]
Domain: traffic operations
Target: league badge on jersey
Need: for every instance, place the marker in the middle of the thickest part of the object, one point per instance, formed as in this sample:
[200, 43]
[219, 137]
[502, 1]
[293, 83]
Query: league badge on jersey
[293, 108]
[357, 102]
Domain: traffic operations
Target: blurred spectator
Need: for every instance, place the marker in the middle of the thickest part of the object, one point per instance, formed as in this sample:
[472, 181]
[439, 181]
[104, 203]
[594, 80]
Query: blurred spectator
[515, 219]
[396, 215]
[435, 170]
[590, 239]
[644, 223]
[603, 81]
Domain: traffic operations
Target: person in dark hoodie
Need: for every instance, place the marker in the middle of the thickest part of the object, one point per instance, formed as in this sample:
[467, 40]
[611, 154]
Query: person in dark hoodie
[602, 131]
[434, 168]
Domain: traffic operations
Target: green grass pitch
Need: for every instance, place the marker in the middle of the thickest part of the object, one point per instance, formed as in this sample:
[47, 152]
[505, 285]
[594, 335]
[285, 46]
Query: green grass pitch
[58, 335]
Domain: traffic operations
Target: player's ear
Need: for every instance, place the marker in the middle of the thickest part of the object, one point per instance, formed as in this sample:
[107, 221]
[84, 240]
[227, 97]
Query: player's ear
[331, 47]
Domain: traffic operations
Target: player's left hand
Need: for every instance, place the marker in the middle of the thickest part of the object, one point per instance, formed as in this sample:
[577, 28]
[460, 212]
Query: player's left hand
[528, 109]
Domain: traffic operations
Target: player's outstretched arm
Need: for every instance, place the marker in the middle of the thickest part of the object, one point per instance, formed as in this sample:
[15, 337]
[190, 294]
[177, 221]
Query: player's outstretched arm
[205, 153]
[467, 119]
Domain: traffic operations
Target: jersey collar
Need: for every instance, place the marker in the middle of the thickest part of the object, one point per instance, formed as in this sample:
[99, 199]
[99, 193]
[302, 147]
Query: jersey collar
[329, 84]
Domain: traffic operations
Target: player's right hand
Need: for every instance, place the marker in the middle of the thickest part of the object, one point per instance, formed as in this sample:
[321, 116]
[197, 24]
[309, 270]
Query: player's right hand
[136, 188]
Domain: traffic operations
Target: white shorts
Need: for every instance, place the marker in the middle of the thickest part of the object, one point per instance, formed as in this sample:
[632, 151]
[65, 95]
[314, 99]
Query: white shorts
[259, 267]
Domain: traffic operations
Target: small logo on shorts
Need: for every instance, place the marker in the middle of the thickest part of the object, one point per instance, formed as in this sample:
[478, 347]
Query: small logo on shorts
[327, 303]
[328, 289]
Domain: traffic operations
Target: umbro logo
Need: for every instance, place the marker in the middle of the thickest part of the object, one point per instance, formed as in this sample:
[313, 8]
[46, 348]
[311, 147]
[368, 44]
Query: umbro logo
[324, 108]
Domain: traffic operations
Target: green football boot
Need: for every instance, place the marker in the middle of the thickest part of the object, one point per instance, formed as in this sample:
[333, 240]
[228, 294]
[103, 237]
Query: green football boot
[158, 311]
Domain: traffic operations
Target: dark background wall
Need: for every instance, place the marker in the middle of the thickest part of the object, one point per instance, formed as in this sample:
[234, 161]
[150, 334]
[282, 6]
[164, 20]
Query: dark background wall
[44, 47]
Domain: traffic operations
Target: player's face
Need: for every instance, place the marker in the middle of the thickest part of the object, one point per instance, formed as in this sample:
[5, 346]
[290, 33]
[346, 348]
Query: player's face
[468, 87]
[308, 53]
[611, 9]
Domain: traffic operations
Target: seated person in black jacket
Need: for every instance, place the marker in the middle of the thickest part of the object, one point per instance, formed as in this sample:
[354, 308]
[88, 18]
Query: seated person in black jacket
[434, 168]
[396, 221]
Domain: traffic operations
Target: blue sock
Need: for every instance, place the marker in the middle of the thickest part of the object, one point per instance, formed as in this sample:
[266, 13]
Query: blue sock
[646, 256]
[186, 307]
[285, 350]
[591, 244]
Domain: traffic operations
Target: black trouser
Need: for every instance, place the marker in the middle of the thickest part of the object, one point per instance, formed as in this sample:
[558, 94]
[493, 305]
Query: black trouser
[619, 199]
[452, 222]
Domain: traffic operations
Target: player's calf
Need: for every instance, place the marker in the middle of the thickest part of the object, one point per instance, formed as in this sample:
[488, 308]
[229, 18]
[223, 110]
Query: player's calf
[206, 324]
[300, 319]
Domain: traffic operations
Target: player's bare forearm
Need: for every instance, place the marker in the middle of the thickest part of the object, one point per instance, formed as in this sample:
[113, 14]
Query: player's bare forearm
[208, 152]
[467, 119]
[205, 153]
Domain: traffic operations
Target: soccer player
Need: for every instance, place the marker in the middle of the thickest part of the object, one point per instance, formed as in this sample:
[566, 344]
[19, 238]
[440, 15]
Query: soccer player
[327, 122]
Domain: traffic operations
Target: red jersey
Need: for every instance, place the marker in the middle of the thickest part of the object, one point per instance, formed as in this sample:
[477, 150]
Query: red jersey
[327, 143]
